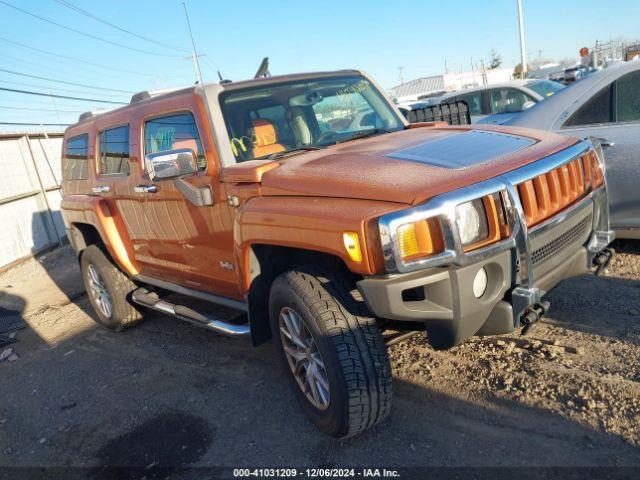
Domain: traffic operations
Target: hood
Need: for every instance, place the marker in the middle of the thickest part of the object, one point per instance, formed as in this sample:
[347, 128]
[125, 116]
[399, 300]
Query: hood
[412, 165]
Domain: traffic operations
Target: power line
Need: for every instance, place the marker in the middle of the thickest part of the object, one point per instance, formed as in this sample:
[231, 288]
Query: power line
[89, 35]
[74, 59]
[23, 124]
[90, 15]
[5, 107]
[83, 85]
[58, 89]
[27, 92]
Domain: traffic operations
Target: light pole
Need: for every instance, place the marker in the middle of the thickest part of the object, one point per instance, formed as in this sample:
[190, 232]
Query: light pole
[523, 51]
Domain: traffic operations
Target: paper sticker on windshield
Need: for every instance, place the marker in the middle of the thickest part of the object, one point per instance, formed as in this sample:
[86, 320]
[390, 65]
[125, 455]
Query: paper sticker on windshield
[163, 140]
[352, 89]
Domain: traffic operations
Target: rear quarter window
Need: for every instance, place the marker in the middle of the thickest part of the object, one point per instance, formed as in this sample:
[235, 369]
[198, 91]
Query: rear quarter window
[595, 111]
[628, 98]
[76, 158]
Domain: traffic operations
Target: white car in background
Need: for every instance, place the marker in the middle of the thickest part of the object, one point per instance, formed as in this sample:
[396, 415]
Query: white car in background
[501, 102]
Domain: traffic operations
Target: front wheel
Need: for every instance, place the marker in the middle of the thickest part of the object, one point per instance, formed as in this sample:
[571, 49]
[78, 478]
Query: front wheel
[332, 349]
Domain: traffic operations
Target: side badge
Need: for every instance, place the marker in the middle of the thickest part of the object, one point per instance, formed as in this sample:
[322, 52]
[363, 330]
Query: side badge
[226, 265]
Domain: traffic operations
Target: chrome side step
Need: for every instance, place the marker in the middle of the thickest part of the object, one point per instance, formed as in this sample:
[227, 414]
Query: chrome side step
[151, 300]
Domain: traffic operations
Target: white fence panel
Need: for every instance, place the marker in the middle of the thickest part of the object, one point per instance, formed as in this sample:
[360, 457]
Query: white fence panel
[29, 223]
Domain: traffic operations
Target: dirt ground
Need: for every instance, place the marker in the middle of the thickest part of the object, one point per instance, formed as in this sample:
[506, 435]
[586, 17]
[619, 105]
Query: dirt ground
[168, 393]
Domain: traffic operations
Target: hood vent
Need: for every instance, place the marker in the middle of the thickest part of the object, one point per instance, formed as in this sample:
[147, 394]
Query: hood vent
[464, 149]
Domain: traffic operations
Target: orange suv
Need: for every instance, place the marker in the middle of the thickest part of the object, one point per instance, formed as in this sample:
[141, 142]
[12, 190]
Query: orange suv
[304, 208]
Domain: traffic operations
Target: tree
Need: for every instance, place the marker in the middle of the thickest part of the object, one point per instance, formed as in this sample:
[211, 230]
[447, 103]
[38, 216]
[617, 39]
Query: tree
[496, 60]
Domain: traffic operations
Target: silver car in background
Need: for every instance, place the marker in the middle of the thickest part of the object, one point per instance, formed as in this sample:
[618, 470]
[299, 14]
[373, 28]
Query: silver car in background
[605, 104]
[501, 102]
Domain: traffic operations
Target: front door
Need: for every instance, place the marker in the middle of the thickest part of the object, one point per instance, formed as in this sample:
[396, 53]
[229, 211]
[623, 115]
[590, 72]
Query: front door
[189, 245]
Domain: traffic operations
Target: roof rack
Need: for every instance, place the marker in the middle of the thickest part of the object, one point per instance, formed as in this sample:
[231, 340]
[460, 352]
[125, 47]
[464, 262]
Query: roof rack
[92, 113]
[146, 94]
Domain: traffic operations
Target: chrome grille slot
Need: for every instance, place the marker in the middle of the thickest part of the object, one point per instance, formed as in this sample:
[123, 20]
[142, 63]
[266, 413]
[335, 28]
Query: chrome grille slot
[549, 193]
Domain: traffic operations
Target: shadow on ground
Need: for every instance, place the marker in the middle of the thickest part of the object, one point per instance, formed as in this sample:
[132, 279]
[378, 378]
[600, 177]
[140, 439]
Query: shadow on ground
[166, 396]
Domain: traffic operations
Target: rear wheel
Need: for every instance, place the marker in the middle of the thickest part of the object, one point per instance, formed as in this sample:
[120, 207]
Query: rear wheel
[108, 290]
[332, 350]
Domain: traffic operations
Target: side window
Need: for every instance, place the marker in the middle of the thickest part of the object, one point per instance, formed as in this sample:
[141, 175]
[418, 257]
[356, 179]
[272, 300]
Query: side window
[507, 100]
[628, 98]
[77, 158]
[596, 110]
[474, 100]
[172, 132]
[113, 153]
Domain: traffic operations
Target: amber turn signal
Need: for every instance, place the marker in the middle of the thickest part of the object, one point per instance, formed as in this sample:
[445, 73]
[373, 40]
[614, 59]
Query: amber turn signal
[597, 176]
[419, 239]
[352, 245]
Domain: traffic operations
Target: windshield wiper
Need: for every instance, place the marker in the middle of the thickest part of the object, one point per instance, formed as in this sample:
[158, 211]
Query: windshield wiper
[366, 133]
[275, 156]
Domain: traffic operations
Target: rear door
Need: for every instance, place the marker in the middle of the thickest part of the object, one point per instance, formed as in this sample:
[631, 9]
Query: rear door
[116, 174]
[614, 114]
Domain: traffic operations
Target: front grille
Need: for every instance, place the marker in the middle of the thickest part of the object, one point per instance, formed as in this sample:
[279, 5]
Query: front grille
[561, 241]
[549, 193]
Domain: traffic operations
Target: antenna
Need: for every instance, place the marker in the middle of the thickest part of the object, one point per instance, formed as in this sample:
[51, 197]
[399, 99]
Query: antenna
[263, 69]
[223, 80]
[194, 56]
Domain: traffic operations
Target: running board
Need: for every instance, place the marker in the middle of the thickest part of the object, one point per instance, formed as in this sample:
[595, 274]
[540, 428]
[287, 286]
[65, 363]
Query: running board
[151, 300]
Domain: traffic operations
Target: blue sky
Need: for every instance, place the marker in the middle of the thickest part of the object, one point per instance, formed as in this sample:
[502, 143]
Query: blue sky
[374, 35]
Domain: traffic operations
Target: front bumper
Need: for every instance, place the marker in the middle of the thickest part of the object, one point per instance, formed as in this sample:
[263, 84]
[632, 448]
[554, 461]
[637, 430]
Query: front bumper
[520, 269]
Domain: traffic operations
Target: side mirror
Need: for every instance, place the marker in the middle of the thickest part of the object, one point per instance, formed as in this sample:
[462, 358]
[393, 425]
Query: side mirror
[170, 164]
[527, 105]
[604, 143]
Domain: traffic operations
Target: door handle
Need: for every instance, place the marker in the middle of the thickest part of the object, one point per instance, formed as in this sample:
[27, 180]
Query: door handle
[101, 189]
[145, 189]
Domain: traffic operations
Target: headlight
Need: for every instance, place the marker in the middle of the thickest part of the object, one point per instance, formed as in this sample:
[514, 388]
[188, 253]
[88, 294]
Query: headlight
[471, 219]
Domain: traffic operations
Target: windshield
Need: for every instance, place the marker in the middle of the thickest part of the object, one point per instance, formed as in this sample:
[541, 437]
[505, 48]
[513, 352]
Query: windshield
[271, 120]
[545, 88]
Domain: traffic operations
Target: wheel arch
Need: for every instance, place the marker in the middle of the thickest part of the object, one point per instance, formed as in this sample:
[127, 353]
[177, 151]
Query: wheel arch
[265, 263]
[81, 235]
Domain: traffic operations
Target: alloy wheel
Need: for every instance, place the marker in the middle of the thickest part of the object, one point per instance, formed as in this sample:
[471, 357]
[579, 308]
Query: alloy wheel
[304, 358]
[98, 291]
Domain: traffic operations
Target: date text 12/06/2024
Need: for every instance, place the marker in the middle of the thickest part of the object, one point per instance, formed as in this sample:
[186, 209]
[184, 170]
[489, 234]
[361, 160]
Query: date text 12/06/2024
[316, 472]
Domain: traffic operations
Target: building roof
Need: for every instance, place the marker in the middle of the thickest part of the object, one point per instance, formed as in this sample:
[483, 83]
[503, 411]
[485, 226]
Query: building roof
[32, 135]
[419, 86]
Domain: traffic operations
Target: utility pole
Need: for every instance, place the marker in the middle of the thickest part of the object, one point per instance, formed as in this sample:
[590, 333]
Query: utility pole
[523, 51]
[401, 76]
[194, 55]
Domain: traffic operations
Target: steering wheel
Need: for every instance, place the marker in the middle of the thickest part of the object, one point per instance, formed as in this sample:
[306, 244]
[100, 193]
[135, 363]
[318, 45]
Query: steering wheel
[326, 136]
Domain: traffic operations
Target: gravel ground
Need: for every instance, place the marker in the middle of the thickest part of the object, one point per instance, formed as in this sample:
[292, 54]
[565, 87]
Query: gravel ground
[169, 394]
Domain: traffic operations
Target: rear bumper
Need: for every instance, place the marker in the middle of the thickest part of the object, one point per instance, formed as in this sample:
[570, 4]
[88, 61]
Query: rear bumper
[519, 271]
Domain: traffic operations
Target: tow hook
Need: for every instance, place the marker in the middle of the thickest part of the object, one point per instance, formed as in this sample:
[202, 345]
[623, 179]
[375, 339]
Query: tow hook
[603, 259]
[532, 315]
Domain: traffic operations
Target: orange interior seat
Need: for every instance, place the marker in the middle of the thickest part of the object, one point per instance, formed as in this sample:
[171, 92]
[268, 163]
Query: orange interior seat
[265, 139]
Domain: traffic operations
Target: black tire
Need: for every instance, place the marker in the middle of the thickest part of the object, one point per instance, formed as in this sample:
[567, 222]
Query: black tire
[350, 343]
[119, 287]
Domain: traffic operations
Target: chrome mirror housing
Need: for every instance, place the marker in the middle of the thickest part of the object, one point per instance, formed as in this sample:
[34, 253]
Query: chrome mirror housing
[170, 164]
